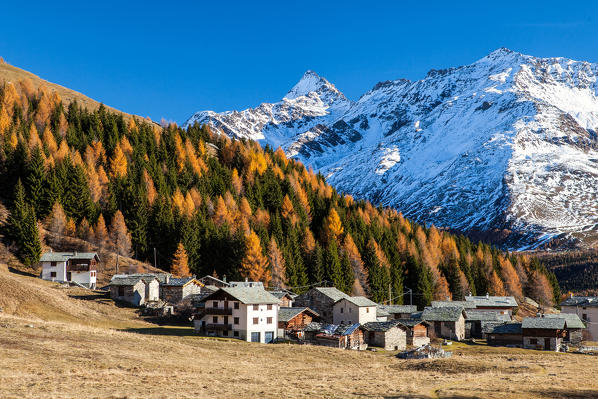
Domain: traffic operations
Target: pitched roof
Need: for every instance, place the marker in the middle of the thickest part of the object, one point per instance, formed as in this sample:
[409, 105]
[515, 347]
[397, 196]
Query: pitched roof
[588, 301]
[129, 279]
[452, 304]
[179, 282]
[332, 329]
[481, 315]
[161, 277]
[281, 294]
[393, 309]
[493, 301]
[346, 329]
[442, 314]
[64, 256]
[573, 320]
[248, 284]
[287, 314]
[381, 312]
[411, 322]
[506, 328]
[249, 295]
[383, 326]
[332, 293]
[360, 301]
[212, 278]
[547, 323]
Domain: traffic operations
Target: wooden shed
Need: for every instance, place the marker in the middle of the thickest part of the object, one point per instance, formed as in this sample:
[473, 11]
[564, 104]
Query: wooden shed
[292, 321]
[543, 333]
[507, 334]
[447, 322]
[417, 331]
[343, 336]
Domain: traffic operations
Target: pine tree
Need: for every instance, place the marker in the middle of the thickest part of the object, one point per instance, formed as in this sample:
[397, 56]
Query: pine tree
[36, 181]
[23, 229]
[180, 266]
[255, 265]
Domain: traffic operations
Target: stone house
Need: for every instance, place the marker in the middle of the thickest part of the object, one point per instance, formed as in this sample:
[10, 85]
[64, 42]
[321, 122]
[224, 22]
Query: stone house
[177, 289]
[285, 297]
[292, 321]
[417, 331]
[503, 304]
[246, 313]
[389, 335]
[575, 327]
[76, 267]
[446, 322]
[398, 311]
[213, 281]
[321, 300]
[134, 289]
[354, 309]
[543, 333]
[586, 307]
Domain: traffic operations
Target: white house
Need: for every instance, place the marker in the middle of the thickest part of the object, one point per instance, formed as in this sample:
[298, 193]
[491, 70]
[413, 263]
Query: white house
[355, 309]
[78, 267]
[247, 313]
[586, 307]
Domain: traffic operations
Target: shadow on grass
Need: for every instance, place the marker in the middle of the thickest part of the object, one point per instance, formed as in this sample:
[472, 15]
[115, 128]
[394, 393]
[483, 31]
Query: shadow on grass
[569, 393]
[177, 331]
[22, 273]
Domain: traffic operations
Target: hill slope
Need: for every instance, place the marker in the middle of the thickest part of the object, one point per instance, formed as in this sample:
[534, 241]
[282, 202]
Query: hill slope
[506, 143]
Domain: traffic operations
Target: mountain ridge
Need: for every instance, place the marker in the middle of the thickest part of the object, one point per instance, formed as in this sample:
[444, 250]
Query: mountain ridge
[505, 143]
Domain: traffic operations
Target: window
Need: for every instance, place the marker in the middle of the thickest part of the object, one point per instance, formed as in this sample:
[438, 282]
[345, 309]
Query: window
[53, 264]
[584, 317]
[533, 341]
[225, 333]
[236, 320]
[367, 310]
[256, 320]
[214, 319]
[255, 337]
[342, 310]
[215, 304]
[235, 333]
[236, 305]
[268, 320]
[349, 310]
[256, 307]
[52, 274]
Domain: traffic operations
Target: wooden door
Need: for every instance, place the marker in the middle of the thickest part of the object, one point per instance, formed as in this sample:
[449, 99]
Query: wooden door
[68, 276]
[547, 344]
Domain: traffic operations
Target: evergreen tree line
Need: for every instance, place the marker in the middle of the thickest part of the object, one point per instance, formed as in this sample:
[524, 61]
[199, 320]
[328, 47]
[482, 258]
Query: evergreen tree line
[227, 207]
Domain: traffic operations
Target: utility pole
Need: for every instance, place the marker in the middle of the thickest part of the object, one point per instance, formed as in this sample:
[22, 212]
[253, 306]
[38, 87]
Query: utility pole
[410, 291]
[155, 264]
[389, 295]
[116, 263]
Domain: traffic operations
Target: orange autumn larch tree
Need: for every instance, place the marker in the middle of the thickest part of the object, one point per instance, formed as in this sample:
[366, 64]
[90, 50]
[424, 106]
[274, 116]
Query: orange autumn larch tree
[180, 262]
[255, 265]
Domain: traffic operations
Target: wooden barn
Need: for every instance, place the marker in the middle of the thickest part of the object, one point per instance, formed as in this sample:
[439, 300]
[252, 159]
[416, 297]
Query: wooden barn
[292, 321]
[543, 333]
[417, 331]
[332, 335]
[507, 334]
[321, 300]
[446, 322]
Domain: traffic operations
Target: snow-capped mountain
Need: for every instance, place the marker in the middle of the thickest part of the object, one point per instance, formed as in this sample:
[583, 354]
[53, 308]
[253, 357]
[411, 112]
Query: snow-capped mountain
[508, 142]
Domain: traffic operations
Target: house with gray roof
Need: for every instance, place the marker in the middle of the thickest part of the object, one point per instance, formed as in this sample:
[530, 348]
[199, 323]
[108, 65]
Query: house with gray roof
[476, 320]
[586, 307]
[344, 336]
[354, 309]
[575, 327]
[76, 267]
[446, 322]
[321, 300]
[178, 289]
[417, 331]
[504, 304]
[136, 289]
[389, 335]
[452, 304]
[504, 334]
[246, 313]
[285, 297]
[543, 333]
[399, 311]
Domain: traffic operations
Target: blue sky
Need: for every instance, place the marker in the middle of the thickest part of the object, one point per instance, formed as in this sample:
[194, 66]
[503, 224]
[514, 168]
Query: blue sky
[170, 59]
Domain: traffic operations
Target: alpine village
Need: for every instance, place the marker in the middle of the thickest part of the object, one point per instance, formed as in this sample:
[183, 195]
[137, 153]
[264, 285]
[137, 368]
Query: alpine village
[230, 242]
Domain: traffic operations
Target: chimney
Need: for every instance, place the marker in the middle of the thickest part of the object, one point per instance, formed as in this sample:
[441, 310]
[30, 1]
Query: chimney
[224, 278]
[246, 279]
[487, 295]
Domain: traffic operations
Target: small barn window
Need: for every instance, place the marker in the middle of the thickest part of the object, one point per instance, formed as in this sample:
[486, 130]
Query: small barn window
[52, 274]
[533, 341]
[235, 333]
[584, 317]
[215, 304]
[256, 320]
[236, 305]
[52, 263]
[342, 310]
[236, 320]
[215, 319]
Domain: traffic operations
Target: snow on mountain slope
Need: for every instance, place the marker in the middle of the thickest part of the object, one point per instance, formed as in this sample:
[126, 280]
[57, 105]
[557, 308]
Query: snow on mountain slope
[508, 142]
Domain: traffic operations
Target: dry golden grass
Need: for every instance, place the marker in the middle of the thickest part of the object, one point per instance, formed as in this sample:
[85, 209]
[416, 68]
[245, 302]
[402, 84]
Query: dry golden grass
[62, 343]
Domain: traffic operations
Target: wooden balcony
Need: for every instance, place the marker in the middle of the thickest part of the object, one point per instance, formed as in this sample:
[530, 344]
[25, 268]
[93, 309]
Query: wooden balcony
[219, 327]
[218, 311]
